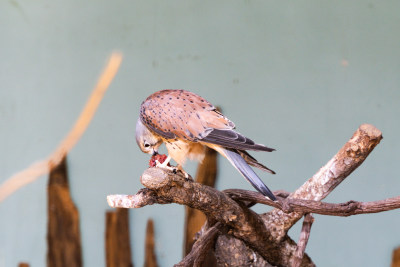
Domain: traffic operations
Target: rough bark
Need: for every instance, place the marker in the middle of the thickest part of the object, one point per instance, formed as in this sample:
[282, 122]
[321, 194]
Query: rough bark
[231, 251]
[63, 235]
[199, 255]
[118, 248]
[166, 187]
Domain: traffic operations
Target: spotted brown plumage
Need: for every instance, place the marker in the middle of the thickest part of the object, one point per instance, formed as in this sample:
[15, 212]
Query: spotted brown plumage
[186, 123]
[181, 114]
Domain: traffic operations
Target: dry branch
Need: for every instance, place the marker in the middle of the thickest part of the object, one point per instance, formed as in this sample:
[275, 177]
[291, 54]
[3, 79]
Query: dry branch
[166, 187]
[267, 237]
[289, 205]
[346, 160]
[43, 167]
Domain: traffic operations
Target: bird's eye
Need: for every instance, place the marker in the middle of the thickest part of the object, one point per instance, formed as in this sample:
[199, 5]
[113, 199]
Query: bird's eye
[146, 144]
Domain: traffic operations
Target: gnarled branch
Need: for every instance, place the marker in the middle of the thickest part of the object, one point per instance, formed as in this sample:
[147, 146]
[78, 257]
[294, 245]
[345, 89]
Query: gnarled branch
[266, 235]
[289, 205]
[346, 160]
[166, 187]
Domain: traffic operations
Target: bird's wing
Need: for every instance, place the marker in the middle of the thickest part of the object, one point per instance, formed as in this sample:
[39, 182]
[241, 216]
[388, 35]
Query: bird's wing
[240, 164]
[234, 140]
[182, 114]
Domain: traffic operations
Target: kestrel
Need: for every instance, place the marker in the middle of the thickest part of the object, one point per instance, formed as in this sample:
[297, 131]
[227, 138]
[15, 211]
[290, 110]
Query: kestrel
[186, 123]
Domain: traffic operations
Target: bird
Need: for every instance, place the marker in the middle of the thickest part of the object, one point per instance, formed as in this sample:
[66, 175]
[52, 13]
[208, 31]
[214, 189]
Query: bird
[187, 123]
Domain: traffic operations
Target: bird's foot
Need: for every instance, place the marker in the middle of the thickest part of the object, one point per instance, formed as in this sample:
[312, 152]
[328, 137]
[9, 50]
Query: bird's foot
[175, 170]
[165, 166]
[187, 176]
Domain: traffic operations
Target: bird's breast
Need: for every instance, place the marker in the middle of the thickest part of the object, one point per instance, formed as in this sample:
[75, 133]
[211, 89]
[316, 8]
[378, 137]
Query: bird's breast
[181, 150]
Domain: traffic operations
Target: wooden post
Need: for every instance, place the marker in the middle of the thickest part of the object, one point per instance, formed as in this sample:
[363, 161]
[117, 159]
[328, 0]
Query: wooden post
[150, 255]
[63, 235]
[118, 248]
[396, 257]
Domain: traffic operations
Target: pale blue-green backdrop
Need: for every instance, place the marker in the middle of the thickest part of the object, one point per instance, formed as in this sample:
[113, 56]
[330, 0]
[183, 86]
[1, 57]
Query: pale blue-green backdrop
[299, 76]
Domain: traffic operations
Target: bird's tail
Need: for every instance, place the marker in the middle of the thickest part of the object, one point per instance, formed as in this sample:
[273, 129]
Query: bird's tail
[253, 162]
[240, 164]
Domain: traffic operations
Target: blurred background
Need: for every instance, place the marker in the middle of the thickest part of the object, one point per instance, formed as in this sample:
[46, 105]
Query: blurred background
[296, 76]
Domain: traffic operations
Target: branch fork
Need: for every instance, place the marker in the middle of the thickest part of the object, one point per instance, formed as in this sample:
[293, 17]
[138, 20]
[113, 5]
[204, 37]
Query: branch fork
[264, 234]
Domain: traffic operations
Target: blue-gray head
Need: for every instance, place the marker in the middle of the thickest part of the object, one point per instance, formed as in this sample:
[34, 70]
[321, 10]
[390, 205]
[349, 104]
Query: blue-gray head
[146, 140]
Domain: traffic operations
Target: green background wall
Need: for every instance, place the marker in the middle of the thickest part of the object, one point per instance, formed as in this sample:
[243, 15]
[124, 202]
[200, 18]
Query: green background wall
[299, 76]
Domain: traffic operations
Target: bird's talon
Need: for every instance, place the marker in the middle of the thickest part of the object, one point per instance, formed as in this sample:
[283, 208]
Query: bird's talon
[187, 176]
[162, 165]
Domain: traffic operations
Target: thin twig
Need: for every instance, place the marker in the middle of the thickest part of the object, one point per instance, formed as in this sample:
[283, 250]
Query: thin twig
[289, 205]
[43, 167]
[304, 235]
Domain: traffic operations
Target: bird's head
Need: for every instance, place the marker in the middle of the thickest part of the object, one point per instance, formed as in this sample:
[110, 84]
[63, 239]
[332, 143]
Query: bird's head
[146, 140]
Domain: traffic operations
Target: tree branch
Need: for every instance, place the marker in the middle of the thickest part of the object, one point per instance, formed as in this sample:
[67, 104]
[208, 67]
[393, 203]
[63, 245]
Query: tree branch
[289, 205]
[267, 236]
[346, 160]
[166, 187]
